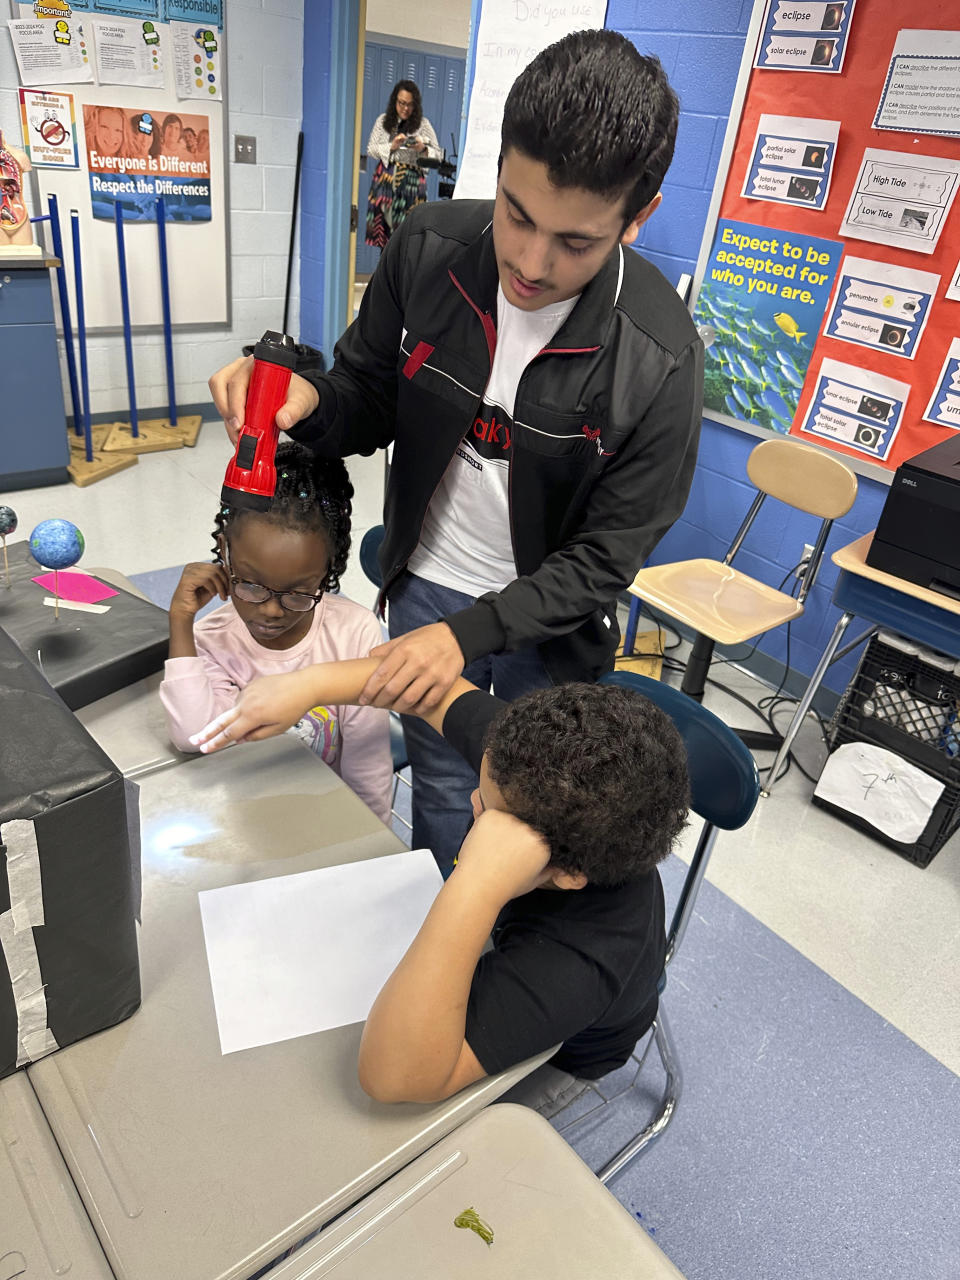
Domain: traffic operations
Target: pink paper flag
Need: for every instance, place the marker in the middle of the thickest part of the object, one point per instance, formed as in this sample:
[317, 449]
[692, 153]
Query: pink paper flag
[75, 586]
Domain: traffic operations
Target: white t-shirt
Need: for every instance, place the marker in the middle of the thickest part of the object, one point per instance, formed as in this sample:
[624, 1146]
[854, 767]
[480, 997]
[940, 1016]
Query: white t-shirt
[465, 541]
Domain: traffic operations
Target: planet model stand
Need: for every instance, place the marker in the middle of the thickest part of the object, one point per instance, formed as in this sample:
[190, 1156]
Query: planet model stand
[8, 524]
[56, 544]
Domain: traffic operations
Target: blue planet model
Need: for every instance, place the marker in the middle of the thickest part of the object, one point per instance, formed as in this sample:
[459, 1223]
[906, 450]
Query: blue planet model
[56, 544]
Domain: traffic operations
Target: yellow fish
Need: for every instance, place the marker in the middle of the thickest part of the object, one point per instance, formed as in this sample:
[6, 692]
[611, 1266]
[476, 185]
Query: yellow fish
[783, 320]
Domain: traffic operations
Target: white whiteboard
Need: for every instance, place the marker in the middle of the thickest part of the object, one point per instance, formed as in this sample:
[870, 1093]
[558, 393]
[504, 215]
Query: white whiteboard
[509, 36]
[196, 251]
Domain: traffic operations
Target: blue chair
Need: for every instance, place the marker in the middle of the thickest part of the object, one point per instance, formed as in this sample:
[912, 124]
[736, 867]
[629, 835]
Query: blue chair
[369, 546]
[724, 787]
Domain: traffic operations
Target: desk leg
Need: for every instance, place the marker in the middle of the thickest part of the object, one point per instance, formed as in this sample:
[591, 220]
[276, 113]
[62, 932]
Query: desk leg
[806, 701]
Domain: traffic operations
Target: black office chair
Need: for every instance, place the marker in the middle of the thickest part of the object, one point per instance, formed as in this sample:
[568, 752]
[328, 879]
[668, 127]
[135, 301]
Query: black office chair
[724, 788]
[369, 546]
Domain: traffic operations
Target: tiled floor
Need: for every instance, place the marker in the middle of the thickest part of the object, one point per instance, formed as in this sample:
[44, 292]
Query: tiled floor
[816, 999]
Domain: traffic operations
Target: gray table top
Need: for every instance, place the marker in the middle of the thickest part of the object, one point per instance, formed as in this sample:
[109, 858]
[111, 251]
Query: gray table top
[206, 1167]
[44, 1232]
[550, 1215]
[131, 727]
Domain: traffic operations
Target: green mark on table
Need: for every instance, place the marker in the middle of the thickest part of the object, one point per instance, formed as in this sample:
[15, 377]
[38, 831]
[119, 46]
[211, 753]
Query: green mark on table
[472, 1220]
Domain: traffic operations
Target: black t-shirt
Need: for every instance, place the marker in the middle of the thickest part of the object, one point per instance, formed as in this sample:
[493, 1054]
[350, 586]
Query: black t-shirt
[573, 966]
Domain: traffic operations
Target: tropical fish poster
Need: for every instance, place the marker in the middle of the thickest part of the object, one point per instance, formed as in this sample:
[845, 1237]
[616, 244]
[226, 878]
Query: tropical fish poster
[761, 302]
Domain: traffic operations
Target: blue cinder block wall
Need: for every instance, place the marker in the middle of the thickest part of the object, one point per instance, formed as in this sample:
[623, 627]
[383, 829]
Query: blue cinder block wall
[700, 45]
[313, 177]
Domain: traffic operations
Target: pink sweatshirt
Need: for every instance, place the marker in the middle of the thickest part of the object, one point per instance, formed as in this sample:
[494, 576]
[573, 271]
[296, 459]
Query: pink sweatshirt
[354, 741]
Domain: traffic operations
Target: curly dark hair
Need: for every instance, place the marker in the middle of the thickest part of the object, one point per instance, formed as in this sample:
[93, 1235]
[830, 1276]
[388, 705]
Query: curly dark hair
[598, 114]
[599, 771]
[313, 494]
[391, 121]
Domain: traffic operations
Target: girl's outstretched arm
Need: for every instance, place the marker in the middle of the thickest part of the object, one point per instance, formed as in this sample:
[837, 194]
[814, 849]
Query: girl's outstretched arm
[269, 705]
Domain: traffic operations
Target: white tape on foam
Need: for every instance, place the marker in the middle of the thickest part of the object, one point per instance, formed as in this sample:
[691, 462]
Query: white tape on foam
[34, 1037]
[25, 884]
[23, 873]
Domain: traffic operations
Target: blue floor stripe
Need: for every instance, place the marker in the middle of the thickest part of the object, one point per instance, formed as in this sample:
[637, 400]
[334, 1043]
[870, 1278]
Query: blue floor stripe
[812, 1138]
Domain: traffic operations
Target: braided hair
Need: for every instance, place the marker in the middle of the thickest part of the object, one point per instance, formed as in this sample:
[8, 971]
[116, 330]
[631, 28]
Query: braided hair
[312, 494]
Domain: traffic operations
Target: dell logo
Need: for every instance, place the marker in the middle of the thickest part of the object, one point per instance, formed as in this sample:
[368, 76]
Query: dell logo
[911, 483]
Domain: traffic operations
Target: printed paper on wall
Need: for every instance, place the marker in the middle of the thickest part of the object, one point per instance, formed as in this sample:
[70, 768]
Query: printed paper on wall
[136, 156]
[856, 407]
[921, 93]
[804, 37]
[944, 406]
[792, 161]
[49, 126]
[881, 306]
[51, 52]
[901, 199]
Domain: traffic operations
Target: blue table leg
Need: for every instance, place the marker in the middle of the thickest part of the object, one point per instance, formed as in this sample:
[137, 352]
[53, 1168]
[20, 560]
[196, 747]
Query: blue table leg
[630, 635]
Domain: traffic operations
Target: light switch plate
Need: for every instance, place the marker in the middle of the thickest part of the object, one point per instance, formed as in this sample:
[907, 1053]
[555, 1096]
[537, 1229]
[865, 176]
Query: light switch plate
[244, 149]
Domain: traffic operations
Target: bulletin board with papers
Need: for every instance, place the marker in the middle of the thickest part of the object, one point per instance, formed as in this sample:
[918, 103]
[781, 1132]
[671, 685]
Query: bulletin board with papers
[828, 284]
[122, 101]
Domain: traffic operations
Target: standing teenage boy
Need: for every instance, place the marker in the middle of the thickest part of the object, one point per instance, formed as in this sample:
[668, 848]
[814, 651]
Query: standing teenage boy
[542, 389]
[582, 791]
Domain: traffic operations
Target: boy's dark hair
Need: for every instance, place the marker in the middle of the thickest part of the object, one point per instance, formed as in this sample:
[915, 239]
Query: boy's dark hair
[599, 771]
[312, 494]
[391, 120]
[598, 114]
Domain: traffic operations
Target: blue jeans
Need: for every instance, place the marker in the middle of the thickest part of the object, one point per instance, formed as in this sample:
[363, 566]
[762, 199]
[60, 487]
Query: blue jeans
[442, 779]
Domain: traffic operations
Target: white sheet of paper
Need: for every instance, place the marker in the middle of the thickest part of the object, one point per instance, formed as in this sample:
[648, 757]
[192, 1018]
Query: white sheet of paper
[46, 55]
[953, 288]
[880, 305]
[856, 407]
[509, 35]
[792, 160]
[296, 954]
[891, 793]
[901, 199]
[129, 51]
[921, 93]
[944, 406]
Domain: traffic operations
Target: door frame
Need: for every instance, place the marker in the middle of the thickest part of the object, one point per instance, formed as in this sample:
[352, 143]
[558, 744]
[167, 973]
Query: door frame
[347, 24]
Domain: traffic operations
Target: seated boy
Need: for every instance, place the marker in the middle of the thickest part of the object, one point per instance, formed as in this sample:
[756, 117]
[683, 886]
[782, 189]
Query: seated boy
[583, 789]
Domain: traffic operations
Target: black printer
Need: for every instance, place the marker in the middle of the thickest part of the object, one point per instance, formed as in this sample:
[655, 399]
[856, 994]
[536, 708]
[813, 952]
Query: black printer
[918, 536]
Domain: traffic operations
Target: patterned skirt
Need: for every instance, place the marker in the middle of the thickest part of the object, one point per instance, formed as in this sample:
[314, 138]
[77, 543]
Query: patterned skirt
[394, 191]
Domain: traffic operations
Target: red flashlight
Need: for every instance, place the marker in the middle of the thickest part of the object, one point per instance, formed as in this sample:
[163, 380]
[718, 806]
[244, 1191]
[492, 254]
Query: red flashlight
[251, 478]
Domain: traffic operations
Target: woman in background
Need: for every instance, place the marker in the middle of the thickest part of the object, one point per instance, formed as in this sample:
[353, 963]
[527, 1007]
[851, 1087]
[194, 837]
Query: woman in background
[401, 137]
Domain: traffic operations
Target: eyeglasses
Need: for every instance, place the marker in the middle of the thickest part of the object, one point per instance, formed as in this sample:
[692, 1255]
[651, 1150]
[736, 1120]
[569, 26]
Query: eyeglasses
[257, 593]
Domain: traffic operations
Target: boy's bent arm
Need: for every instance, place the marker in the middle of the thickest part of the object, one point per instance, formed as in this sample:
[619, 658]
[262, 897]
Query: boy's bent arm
[269, 705]
[413, 1047]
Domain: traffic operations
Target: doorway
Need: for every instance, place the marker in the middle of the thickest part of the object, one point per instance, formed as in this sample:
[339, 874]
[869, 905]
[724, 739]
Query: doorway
[439, 74]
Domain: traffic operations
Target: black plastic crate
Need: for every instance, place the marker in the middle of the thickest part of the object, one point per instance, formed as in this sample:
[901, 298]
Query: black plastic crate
[908, 704]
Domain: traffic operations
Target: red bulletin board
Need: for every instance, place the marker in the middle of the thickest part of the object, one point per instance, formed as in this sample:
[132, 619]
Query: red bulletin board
[852, 98]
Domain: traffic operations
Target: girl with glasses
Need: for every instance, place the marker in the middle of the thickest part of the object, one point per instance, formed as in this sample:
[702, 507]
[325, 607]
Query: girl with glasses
[276, 571]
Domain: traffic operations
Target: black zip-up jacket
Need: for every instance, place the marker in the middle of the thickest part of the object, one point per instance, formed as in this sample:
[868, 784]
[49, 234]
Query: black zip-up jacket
[606, 418]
